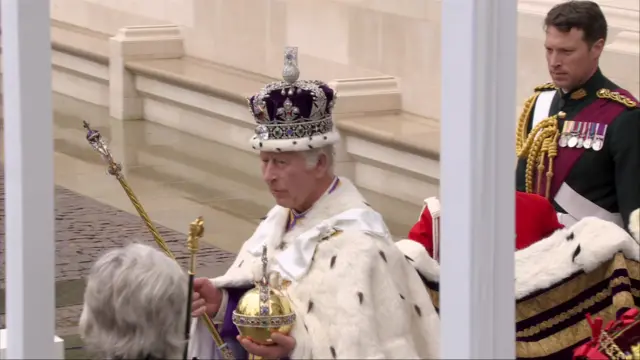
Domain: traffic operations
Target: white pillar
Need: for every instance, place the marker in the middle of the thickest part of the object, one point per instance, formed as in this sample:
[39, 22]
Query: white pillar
[477, 178]
[29, 187]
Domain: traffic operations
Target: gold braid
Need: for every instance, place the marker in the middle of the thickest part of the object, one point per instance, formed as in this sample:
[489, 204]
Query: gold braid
[541, 142]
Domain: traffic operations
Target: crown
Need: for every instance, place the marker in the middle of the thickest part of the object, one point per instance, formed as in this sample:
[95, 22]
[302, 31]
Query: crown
[292, 114]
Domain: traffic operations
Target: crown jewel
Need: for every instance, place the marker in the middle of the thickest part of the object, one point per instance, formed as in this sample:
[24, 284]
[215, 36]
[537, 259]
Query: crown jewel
[265, 308]
[292, 109]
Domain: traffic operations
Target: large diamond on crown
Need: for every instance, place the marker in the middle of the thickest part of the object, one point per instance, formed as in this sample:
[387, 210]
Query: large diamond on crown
[263, 132]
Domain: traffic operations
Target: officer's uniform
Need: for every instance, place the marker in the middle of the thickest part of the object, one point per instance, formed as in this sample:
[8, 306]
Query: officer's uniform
[585, 151]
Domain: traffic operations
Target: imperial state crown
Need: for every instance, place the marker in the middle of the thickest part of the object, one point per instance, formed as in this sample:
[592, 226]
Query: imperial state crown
[292, 114]
[264, 309]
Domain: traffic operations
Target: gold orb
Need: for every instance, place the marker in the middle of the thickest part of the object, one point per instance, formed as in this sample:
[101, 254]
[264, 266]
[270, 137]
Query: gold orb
[261, 311]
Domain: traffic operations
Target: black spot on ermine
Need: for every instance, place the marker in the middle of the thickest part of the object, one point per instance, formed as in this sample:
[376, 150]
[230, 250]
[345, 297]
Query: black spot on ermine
[241, 262]
[333, 261]
[401, 296]
[576, 252]
[383, 256]
[571, 236]
[310, 306]
[418, 311]
[408, 258]
[360, 297]
[333, 352]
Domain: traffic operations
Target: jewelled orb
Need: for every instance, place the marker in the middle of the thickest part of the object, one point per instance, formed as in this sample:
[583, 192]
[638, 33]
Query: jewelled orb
[264, 309]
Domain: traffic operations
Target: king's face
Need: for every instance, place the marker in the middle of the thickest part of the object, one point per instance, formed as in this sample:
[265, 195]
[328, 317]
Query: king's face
[288, 176]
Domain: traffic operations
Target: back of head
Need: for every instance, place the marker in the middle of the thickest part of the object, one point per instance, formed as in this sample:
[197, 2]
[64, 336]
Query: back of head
[135, 305]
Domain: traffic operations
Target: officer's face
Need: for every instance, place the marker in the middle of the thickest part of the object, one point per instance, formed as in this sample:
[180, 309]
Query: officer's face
[291, 179]
[570, 59]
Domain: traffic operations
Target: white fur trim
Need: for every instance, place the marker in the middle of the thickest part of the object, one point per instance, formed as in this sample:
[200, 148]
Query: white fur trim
[363, 292]
[420, 259]
[302, 144]
[550, 260]
[634, 224]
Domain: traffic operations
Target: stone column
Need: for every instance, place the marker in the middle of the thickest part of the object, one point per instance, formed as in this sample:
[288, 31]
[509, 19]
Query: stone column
[135, 43]
[477, 179]
[29, 181]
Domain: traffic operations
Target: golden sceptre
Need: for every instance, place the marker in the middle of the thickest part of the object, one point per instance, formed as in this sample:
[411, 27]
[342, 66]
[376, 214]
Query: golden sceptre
[196, 230]
[98, 143]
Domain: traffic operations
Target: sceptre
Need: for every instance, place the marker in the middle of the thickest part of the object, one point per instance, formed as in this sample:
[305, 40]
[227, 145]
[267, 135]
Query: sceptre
[196, 230]
[99, 144]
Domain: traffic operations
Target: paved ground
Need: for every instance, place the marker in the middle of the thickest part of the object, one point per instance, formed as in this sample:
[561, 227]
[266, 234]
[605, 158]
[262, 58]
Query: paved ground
[85, 229]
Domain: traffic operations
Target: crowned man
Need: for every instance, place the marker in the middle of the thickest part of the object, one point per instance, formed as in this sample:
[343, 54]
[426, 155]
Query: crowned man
[578, 136]
[354, 294]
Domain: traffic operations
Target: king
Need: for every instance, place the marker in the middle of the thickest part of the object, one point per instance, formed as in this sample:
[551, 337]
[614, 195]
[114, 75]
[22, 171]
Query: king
[354, 294]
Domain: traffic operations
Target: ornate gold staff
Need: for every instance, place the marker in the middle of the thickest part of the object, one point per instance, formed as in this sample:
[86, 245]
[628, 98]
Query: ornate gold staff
[113, 168]
[196, 229]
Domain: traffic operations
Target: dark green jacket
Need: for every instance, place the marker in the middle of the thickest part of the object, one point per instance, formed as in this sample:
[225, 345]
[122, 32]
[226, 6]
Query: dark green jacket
[609, 178]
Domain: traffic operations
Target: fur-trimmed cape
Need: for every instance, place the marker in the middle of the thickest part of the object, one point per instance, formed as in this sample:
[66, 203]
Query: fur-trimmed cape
[592, 267]
[355, 297]
[582, 247]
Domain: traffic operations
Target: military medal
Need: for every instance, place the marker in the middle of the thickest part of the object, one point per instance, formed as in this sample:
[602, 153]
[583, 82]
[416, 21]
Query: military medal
[573, 140]
[562, 142]
[590, 133]
[583, 135]
[598, 142]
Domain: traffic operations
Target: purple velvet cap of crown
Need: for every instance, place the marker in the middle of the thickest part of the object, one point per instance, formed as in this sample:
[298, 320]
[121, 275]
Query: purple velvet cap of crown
[299, 102]
[289, 111]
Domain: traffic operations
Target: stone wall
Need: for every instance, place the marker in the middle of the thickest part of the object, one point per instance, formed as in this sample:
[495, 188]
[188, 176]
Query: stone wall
[347, 38]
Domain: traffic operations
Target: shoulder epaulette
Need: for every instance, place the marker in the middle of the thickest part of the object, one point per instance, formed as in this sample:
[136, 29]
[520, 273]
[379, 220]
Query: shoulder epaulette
[617, 97]
[545, 87]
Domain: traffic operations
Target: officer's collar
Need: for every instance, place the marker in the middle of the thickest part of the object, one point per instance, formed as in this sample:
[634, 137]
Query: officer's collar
[590, 87]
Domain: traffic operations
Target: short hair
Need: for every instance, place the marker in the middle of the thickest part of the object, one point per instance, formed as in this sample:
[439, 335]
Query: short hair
[135, 305]
[582, 15]
[312, 156]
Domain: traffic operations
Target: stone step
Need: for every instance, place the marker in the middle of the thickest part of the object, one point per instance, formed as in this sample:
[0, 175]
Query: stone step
[386, 150]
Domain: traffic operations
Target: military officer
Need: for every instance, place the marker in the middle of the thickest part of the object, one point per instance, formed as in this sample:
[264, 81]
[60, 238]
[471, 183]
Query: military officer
[578, 138]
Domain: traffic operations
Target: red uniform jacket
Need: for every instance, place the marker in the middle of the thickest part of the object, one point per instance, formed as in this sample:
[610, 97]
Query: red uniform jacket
[535, 220]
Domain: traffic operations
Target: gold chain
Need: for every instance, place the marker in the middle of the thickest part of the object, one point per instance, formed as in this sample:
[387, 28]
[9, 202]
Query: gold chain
[610, 348]
[617, 97]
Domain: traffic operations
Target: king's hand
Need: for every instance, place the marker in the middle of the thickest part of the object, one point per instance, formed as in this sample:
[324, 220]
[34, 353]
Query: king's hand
[282, 346]
[206, 298]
